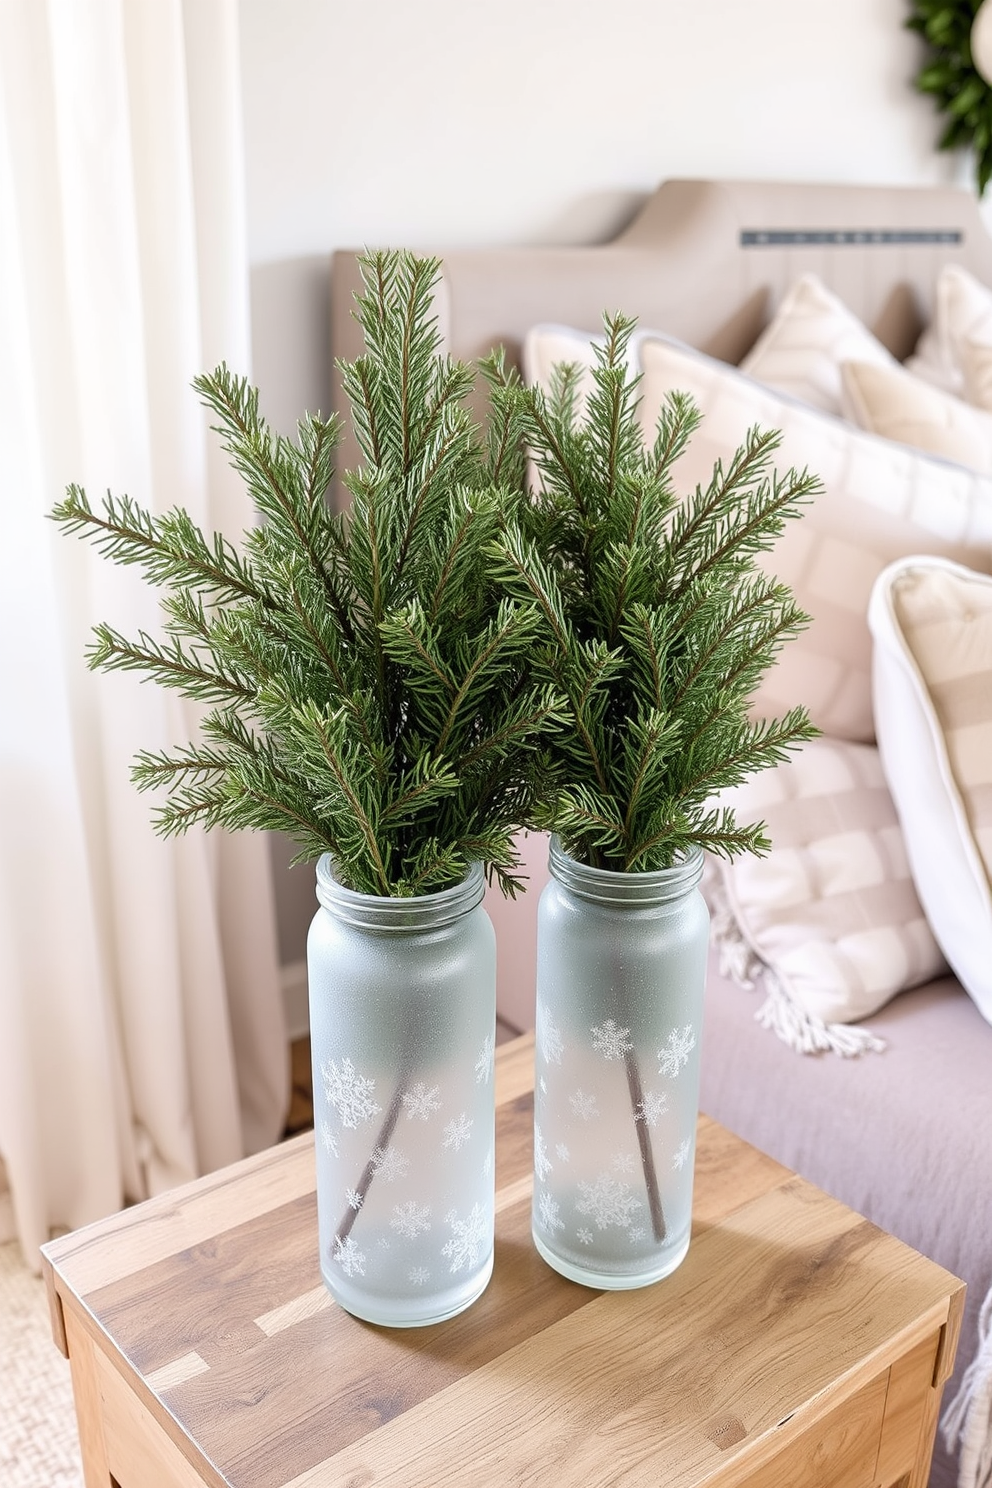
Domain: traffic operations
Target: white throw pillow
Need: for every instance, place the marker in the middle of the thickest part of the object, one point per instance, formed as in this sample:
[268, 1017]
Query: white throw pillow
[962, 311]
[831, 911]
[801, 350]
[880, 501]
[932, 626]
[893, 403]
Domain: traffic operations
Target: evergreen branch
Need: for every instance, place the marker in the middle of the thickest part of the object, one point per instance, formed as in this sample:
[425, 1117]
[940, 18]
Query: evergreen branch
[455, 548]
[527, 726]
[169, 666]
[677, 422]
[556, 447]
[247, 439]
[653, 739]
[170, 549]
[751, 602]
[357, 381]
[754, 746]
[510, 623]
[639, 628]
[506, 424]
[360, 818]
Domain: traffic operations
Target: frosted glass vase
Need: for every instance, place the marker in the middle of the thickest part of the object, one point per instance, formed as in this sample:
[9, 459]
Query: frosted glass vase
[402, 1033]
[621, 972]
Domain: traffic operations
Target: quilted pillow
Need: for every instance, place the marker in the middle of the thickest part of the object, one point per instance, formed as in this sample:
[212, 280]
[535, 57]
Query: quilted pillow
[880, 502]
[932, 625]
[893, 403]
[831, 911]
[962, 311]
[801, 350]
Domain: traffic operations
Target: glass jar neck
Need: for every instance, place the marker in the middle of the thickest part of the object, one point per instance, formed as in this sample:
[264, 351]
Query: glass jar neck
[382, 912]
[633, 890]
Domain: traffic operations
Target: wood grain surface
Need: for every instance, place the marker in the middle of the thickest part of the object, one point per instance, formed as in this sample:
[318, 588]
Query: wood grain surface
[796, 1343]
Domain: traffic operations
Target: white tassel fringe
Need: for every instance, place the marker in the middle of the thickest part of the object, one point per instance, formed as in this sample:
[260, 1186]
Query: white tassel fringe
[802, 1031]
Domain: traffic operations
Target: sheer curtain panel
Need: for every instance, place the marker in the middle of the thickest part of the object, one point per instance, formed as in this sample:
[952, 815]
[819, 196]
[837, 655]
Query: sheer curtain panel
[141, 1026]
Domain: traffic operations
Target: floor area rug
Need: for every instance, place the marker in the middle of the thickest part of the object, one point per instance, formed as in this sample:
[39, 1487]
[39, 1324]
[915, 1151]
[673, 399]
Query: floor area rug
[39, 1447]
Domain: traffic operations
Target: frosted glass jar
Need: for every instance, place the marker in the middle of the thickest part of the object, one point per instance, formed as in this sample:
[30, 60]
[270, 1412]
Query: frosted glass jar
[621, 972]
[402, 1033]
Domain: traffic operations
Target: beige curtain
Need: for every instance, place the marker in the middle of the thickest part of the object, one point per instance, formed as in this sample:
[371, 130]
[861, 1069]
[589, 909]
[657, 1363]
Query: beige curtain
[141, 1028]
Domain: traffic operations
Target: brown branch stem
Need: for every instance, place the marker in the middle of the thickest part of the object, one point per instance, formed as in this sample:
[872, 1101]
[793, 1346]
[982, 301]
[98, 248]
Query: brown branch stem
[644, 1143]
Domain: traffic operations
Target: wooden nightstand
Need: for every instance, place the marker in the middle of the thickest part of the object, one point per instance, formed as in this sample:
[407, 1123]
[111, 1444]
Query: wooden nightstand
[797, 1344]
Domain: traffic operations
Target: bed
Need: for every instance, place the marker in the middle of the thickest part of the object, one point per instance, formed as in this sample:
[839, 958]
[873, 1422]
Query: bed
[901, 1131]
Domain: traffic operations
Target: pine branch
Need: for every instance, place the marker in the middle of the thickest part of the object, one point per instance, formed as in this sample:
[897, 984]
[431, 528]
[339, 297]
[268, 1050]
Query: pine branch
[169, 666]
[659, 623]
[171, 550]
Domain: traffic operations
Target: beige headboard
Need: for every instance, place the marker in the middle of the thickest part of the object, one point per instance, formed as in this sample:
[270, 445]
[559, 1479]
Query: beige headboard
[707, 261]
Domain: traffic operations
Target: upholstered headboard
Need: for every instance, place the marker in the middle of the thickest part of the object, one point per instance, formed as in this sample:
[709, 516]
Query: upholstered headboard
[707, 261]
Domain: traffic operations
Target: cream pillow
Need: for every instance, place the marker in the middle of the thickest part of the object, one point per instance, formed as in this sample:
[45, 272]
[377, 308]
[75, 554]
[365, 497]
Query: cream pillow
[880, 501]
[932, 625]
[893, 403]
[831, 910]
[801, 350]
[962, 311]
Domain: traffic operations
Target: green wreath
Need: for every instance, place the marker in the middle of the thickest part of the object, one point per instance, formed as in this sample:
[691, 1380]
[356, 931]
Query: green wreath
[950, 77]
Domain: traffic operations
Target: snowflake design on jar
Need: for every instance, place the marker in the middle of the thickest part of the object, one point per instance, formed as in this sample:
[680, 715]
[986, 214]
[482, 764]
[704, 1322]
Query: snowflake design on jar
[584, 1236]
[486, 1063]
[328, 1138]
[542, 1162]
[419, 1101]
[549, 1039]
[651, 1107]
[681, 1157]
[349, 1093]
[389, 1163]
[411, 1219]
[418, 1275]
[583, 1105]
[468, 1236]
[612, 1041]
[349, 1257]
[458, 1132]
[675, 1055]
[549, 1213]
[608, 1202]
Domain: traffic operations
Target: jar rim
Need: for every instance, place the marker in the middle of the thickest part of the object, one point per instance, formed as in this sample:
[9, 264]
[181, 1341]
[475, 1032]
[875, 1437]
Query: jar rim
[631, 887]
[393, 911]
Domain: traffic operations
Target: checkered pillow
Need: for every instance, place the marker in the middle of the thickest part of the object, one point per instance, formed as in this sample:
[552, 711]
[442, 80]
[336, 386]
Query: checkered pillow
[832, 910]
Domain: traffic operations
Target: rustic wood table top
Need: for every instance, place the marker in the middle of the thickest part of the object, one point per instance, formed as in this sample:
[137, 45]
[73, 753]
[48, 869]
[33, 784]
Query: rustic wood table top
[796, 1343]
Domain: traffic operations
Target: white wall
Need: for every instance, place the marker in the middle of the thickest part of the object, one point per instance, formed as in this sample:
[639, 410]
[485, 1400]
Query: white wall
[431, 123]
